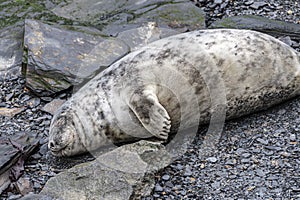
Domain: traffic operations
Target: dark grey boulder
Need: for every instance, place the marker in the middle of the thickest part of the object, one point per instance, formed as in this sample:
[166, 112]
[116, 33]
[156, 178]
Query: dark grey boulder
[59, 58]
[117, 16]
[275, 28]
[11, 50]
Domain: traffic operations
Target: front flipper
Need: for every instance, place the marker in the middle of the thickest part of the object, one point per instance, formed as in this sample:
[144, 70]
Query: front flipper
[151, 113]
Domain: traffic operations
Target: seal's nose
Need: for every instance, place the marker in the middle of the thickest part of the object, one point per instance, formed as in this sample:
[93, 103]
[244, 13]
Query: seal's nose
[51, 145]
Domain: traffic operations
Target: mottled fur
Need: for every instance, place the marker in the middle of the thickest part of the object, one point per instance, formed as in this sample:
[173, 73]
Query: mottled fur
[168, 76]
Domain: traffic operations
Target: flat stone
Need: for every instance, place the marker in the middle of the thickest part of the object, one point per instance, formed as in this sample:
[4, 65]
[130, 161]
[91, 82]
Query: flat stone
[10, 112]
[53, 106]
[114, 175]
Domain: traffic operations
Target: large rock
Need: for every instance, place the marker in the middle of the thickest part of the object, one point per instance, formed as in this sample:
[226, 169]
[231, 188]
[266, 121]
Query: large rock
[11, 50]
[58, 58]
[272, 27]
[116, 16]
[55, 63]
[117, 175]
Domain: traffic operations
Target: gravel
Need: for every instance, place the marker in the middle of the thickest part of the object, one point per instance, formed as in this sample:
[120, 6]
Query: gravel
[256, 158]
[273, 9]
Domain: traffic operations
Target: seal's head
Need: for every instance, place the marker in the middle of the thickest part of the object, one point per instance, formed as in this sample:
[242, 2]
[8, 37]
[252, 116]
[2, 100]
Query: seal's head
[63, 136]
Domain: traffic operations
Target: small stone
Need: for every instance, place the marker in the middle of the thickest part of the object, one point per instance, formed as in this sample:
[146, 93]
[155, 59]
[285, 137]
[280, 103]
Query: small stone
[293, 137]
[239, 151]
[248, 3]
[295, 44]
[273, 148]
[262, 141]
[260, 173]
[63, 95]
[9, 96]
[216, 185]
[245, 160]
[14, 197]
[24, 186]
[188, 172]
[158, 188]
[166, 177]
[34, 102]
[212, 159]
[47, 99]
[258, 5]
[25, 98]
[246, 155]
[37, 185]
[289, 12]
[169, 184]
[287, 40]
[218, 1]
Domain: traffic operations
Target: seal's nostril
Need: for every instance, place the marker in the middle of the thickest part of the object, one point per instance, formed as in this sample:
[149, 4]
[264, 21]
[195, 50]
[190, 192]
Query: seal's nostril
[51, 144]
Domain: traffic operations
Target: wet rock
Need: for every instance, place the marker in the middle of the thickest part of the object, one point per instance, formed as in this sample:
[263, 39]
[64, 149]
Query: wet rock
[273, 27]
[11, 50]
[112, 175]
[58, 58]
[117, 16]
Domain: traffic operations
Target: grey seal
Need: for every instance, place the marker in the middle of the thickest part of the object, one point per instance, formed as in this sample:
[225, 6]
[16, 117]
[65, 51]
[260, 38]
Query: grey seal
[143, 94]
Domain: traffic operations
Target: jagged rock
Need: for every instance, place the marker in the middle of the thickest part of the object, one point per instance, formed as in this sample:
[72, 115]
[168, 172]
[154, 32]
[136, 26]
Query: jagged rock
[117, 16]
[275, 28]
[58, 58]
[118, 174]
[11, 50]
[13, 152]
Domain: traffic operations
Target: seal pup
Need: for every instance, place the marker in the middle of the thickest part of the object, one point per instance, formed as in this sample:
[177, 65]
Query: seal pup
[143, 94]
